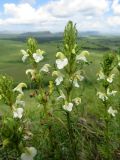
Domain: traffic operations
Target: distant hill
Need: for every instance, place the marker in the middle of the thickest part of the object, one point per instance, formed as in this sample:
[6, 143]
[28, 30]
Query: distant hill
[5, 34]
[41, 34]
[90, 33]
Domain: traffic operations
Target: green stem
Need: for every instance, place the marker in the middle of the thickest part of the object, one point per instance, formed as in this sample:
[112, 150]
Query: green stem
[107, 129]
[71, 136]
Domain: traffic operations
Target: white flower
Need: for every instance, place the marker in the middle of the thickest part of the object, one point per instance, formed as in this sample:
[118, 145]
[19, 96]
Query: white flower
[61, 63]
[112, 111]
[45, 68]
[25, 55]
[77, 100]
[17, 112]
[62, 96]
[61, 60]
[29, 154]
[75, 83]
[68, 107]
[102, 96]
[82, 56]
[77, 77]
[110, 78]
[37, 57]
[59, 78]
[101, 75]
[32, 72]
[111, 93]
[19, 88]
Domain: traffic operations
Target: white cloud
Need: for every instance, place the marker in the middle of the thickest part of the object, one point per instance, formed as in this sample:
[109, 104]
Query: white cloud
[114, 21]
[66, 8]
[116, 7]
[54, 15]
[25, 14]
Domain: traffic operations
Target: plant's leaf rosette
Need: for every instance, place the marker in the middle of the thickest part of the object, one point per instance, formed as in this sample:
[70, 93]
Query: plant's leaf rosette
[59, 77]
[112, 111]
[29, 154]
[61, 60]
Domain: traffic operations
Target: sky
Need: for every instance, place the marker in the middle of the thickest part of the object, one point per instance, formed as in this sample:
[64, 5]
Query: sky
[52, 15]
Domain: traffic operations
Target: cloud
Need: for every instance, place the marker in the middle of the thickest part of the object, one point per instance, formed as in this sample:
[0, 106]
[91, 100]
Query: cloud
[114, 21]
[88, 14]
[85, 7]
[25, 14]
[116, 7]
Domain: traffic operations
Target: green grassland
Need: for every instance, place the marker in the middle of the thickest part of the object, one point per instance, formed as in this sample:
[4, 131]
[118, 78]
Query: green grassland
[10, 56]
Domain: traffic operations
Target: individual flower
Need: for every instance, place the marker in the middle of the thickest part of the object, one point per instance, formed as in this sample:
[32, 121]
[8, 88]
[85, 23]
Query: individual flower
[61, 60]
[101, 76]
[29, 154]
[110, 78]
[77, 101]
[37, 57]
[25, 55]
[32, 72]
[59, 76]
[62, 96]
[112, 111]
[17, 112]
[77, 77]
[102, 96]
[111, 93]
[82, 56]
[75, 83]
[45, 68]
[68, 106]
[19, 88]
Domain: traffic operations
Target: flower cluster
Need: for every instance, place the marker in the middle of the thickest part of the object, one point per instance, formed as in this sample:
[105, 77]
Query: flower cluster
[13, 128]
[106, 78]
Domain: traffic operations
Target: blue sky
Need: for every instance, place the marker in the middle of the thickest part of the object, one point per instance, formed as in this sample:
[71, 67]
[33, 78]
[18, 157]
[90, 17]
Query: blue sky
[42, 15]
